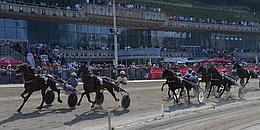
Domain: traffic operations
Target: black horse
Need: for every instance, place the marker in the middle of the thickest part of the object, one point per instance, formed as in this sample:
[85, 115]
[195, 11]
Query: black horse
[243, 74]
[205, 76]
[214, 78]
[33, 83]
[174, 83]
[92, 84]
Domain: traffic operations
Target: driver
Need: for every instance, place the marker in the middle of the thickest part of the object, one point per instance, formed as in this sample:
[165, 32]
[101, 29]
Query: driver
[194, 78]
[72, 82]
[121, 82]
[189, 73]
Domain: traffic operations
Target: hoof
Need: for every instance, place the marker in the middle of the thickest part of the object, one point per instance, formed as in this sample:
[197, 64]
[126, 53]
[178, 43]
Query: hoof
[78, 104]
[92, 106]
[19, 110]
[59, 100]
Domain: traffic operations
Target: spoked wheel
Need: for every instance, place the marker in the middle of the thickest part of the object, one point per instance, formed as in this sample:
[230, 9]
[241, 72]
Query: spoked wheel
[200, 96]
[220, 90]
[241, 92]
[195, 91]
[125, 102]
[100, 98]
[49, 97]
[72, 100]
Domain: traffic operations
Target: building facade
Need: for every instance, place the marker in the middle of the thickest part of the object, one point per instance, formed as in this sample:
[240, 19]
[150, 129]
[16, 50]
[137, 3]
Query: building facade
[91, 36]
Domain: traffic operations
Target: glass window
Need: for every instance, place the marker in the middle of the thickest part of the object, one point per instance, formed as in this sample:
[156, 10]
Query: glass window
[63, 37]
[91, 29]
[54, 36]
[72, 37]
[72, 27]
[10, 23]
[63, 27]
[84, 28]
[97, 29]
[2, 33]
[103, 30]
[53, 26]
[10, 33]
[42, 25]
[21, 23]
[79, 28]
[32, 35]
[43, 35]
[2, 23]
[32, 25]
[22, 34]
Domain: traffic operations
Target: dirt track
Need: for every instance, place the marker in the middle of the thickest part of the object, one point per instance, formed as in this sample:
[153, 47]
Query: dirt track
[146, 100]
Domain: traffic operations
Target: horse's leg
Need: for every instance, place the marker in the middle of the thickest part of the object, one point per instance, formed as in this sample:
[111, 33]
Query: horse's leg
[43, 97]
[169, 93]
[207, 87]
[176, 97]
[54, 88]
[247, 80]
[188, 93]
[23, 93]
[81, 98]
[24, 101]
[210, 90]
[110, 90]
[93, 103]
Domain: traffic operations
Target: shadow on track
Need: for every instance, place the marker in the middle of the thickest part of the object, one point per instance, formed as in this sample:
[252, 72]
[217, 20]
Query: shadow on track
[183, 106]
[35, 114]
[223, 101]
[94, 114]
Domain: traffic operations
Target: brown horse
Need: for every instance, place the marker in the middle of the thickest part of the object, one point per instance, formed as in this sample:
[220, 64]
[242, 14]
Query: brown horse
[33, 83]
[92, 84]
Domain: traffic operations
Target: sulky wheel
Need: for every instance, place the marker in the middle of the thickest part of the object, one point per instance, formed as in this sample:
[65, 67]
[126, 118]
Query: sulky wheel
[241, 93]
[72, 100]
[200, 96]
[49, 97]
[196, 90]
[125, 102]
[99, 98]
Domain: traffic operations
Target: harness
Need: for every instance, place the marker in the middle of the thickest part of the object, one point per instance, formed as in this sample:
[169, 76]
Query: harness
[27, 82]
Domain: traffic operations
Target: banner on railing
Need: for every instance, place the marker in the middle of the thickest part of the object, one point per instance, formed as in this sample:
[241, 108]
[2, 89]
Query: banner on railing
[155, 73]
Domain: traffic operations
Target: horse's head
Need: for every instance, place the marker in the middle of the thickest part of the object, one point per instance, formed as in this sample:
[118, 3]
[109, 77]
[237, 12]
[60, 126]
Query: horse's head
[24, 69]
[201, 69]
[167, 73]
[83, 70]
[236, 66]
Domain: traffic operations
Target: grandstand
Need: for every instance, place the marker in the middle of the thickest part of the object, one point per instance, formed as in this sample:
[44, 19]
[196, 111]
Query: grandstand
[83, 31]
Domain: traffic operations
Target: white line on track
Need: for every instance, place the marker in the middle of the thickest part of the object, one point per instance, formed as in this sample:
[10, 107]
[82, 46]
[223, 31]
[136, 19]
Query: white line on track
[131, 81]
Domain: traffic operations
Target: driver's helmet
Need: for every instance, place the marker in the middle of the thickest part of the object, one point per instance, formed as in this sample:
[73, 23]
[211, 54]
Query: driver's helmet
[193, 73]
[73, 74]
[190, 70]
[122, 72]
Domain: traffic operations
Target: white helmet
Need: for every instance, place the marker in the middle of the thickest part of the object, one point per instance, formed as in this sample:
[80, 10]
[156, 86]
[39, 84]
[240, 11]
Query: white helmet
[73, 74]
[122, 72]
